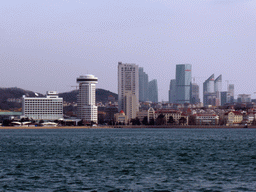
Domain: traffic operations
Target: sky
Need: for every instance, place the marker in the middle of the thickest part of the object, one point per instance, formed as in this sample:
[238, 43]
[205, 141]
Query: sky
[46, 44]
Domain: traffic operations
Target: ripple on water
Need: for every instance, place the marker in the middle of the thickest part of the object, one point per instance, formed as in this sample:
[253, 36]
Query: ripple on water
[128, 160]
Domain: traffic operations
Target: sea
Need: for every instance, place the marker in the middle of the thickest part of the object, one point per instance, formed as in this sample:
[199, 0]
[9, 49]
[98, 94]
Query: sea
[128, 160]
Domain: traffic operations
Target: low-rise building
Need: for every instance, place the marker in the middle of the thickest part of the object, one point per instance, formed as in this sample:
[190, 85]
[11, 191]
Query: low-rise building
[121, 118]
[233, 117]
[207, 119]
[174, 114]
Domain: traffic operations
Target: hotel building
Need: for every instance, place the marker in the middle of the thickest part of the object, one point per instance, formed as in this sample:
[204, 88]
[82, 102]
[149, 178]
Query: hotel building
[43, 108]
[86, 108]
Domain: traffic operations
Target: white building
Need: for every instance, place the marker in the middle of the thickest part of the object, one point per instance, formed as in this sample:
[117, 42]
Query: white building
[128, 89]
[43, 108]
[86, 108]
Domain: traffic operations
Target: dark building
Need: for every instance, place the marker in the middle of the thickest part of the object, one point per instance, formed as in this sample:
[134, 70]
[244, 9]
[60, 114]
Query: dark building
[195, 94]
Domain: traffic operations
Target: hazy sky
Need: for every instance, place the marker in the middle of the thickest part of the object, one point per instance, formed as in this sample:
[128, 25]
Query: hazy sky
[47, 44]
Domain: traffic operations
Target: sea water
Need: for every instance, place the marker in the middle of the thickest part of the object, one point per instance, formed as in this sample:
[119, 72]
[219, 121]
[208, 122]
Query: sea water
[128, 160]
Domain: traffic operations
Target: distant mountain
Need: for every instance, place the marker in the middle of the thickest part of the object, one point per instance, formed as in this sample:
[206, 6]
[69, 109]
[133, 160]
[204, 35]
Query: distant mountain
[101, 95]
[10, 98]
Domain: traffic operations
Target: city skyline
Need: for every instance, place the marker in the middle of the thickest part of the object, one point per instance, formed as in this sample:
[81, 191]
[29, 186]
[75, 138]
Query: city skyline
[46, 45]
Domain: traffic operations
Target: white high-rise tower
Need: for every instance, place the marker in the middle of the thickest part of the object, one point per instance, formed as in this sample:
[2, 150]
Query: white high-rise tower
[128, 89]
[86, 108]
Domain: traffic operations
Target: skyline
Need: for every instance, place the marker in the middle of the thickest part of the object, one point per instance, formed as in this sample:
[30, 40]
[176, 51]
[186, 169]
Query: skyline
[46, 45]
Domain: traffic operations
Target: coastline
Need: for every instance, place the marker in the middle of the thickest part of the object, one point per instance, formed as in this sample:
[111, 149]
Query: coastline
[133, 127]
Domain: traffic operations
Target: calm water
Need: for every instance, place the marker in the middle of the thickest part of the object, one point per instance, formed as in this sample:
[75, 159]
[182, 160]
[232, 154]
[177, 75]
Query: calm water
[128, 160]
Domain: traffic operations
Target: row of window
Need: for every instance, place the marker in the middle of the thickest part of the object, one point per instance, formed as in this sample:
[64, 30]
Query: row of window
[43, 114]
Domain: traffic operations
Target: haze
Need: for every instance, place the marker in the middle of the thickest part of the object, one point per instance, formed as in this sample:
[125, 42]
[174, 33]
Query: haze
[46, 45]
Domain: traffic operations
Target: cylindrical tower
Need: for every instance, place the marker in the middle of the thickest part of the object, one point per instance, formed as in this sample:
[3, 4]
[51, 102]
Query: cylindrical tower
[86, 108]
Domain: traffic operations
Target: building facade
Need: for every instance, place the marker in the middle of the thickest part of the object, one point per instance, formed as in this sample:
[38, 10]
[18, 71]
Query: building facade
[243, 98]
[121, 118]
[143, 85]
[209, 95]
[172, 91]
[195, 94]
[153, 91]
[225, 98]
[218, 89]
[86, 105]
[43, 108]
[207, 119]
[128, 89]
[183, 83]
[233, 117]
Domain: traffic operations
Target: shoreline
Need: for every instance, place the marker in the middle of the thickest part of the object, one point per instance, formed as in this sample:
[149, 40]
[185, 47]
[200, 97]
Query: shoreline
[132, 127]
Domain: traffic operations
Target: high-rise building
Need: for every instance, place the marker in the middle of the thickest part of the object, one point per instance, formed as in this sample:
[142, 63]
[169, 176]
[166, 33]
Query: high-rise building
[218, 84]
[209, 96]
[130, 104]
[143, 85]
[86, 106]
[43, 108]
[231, 91]
[243, 98]
[128, 89]
[153, 91]
[218, 89]
[172, 91]
[195, 94]
[225, 97]
[183, 83]
[208, 86]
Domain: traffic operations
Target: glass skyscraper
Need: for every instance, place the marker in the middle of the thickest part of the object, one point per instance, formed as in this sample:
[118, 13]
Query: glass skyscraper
[143, 85]
[153, 91]
[172, 91]
[183, 83]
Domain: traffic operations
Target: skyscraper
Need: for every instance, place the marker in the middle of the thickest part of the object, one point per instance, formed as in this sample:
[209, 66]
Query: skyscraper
[195, 94]
[209, 96]
[86, 108]
[153, 91]
[128, 89]
[143, 85]
[183, 83]
[225, 97]
[172, 91]
[218, 89]
[231, 91]
[208, 86]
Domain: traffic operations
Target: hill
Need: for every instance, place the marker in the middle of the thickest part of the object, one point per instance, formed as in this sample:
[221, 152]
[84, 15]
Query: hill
[101, 95]
[10, 98]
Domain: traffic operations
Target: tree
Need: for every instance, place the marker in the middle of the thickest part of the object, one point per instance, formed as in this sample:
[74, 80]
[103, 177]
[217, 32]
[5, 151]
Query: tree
[6, 122]
[145, 120]
[41, 121]
[151, 121]
[171, 120]
[80, 123]
[135, 121]
[192, 120]
[182, 120]
[160, 119]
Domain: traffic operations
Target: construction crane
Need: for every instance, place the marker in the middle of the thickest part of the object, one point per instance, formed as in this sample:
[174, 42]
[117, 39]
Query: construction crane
[75, 86]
